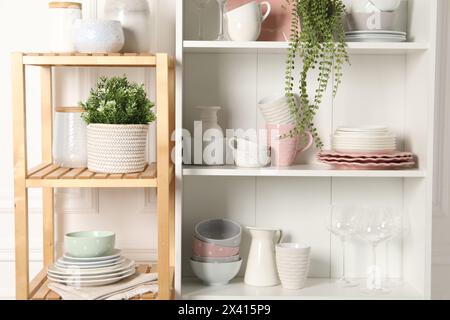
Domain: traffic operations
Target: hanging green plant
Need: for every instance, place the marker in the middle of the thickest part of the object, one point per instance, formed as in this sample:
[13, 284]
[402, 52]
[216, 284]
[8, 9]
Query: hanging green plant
[318, 38]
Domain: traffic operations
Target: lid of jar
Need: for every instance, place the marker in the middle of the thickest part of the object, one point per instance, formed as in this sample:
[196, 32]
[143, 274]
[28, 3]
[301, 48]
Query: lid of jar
[69, 109]
[65, 5]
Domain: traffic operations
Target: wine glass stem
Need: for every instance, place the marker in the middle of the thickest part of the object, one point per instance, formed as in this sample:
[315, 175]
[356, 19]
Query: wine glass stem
[343, 259]
[200, 29]
[374, 253]
[221, 12]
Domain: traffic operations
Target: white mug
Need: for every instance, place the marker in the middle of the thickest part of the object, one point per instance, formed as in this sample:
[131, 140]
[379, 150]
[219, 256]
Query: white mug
[244, 23]
[249, 154]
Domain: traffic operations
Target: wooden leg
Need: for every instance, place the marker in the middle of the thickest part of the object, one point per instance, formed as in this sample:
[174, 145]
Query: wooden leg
[163, 168]
[47, 157]
[20, 172]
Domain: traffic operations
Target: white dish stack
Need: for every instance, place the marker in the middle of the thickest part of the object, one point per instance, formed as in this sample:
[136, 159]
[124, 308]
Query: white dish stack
[364, 139]
[91, 272]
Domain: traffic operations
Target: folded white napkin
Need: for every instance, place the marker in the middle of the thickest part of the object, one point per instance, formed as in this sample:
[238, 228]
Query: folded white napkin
[138, 284]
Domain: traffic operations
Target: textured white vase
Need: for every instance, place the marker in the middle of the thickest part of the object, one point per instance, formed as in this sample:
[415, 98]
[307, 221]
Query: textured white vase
[134, 16]
[115, 148]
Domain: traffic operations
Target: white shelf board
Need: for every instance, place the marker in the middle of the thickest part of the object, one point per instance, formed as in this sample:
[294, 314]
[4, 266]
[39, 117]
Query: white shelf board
[316, 289]
[280, 47]
[298, 171]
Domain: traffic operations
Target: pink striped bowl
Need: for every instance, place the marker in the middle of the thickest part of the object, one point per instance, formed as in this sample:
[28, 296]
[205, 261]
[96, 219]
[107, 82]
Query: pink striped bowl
[210, 250]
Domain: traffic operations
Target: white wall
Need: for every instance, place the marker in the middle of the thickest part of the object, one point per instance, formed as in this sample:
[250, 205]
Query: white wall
[130, 213]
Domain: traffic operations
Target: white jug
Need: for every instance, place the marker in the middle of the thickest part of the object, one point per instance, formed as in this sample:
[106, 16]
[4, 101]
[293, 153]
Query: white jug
[261, 265]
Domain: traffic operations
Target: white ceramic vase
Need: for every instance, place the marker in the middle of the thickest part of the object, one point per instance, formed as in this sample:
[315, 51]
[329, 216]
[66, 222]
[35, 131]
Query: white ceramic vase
[134, 16]
[261, 265]
[212, 137]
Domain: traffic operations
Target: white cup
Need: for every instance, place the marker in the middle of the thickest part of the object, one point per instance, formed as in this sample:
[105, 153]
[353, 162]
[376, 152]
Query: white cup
[249, 154]
[244, 23]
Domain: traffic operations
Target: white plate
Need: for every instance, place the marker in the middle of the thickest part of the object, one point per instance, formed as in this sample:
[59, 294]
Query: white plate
[91, 266]
[65, 261]
[92, 283]
[375, 40]
[115, 254]
[75, 271]
[363, 129]
[358, 32]
[91, 277]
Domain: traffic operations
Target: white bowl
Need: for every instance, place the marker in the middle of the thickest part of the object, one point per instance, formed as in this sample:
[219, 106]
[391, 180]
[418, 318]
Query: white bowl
[216, 274]
[99, 36]
[386, 5]
[361, 21]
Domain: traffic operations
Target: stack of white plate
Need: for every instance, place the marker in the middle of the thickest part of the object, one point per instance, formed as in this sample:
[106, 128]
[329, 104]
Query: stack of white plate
[370, 139]
[375, 36]
[90, 272]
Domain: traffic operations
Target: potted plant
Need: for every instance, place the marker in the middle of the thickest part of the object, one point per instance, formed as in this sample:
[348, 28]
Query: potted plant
[117, 113]
[318, 38]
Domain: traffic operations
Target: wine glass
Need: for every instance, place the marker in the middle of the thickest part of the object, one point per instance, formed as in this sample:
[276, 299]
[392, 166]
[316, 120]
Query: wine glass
[222, 4]
[399, 229]
[201, 5]
[375, 225]
[342, 225]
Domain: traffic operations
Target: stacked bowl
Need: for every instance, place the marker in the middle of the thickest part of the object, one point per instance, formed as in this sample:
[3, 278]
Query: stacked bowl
[90, 260]
[364, 139]
[216, 258]
[293, 261]
[276, 110]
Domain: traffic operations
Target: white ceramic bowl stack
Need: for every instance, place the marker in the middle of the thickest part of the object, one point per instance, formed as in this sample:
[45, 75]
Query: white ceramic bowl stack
[276, 110]
[374, 21]
[293, 262]
[216, 258]
[373, 139]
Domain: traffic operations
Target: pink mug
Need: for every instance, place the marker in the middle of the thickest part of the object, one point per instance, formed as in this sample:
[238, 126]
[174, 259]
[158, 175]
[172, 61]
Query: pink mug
[285, 150]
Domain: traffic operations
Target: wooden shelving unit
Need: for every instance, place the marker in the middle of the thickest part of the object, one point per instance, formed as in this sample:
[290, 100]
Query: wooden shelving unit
[49, 175]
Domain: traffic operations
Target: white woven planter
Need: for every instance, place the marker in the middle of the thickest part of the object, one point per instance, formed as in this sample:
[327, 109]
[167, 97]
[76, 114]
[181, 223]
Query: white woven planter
[115, 148]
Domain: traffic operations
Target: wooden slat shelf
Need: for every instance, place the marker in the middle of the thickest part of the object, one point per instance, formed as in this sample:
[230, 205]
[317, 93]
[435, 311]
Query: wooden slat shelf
[42, 292]
[54, 176]
[90, 59]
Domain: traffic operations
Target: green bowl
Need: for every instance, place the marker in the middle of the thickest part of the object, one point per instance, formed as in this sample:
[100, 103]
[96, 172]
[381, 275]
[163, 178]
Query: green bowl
[89, 244]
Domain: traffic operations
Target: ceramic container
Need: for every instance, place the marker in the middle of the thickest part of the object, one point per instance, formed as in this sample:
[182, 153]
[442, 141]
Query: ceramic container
[212, 137]
[361, 21]
[88, 244]
[70, 138]
[98, 36]
[386, 5]
[261, 267]
[216, 274]
[134, 16]
[293, 262]
[220, 232]
[276, 109]
[248, 154]
[62, 16]
[211, 250]
[217, 260]
[244, 22]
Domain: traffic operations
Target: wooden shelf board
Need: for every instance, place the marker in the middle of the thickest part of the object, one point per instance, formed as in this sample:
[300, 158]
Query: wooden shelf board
[42, 292]
[316, 289]
[298, 171]
[54, 176]
[281, 47]
[90, 59]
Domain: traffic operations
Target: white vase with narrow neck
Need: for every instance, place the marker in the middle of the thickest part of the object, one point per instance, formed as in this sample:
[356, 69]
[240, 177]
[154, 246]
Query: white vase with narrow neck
[213, 136]
[261, 264]
[135, 18]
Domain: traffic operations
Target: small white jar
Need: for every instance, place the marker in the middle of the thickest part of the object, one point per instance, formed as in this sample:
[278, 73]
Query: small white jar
[62, 17]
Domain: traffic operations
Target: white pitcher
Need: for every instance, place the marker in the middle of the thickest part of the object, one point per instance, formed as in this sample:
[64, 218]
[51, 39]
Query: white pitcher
[261, 265]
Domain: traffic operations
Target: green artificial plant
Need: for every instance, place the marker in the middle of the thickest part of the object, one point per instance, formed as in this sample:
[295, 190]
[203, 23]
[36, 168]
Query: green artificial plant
[318, 38]
[117, 101]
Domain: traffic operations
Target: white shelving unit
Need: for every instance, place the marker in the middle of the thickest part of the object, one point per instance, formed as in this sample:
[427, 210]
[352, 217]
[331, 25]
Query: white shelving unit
[387, 83]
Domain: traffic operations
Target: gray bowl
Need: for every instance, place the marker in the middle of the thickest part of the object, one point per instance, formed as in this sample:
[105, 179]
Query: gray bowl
[362, 21]
[222, 232]
[89, 244]
[216, 274]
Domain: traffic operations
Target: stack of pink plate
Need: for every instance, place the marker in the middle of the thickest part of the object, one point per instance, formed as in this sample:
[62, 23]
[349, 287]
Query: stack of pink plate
[367, 160]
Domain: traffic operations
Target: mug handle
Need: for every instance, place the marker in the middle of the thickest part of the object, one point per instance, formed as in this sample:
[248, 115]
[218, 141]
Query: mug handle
[231, 143]
[280, 235]
[310, 142]
[268, 6]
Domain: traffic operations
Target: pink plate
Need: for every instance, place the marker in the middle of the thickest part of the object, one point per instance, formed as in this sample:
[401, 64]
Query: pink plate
[369, 166]
[352, 155]
[366, 160]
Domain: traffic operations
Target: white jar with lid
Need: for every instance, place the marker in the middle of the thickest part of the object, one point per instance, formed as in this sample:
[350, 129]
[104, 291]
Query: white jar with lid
[62, 18]
[70, 137]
